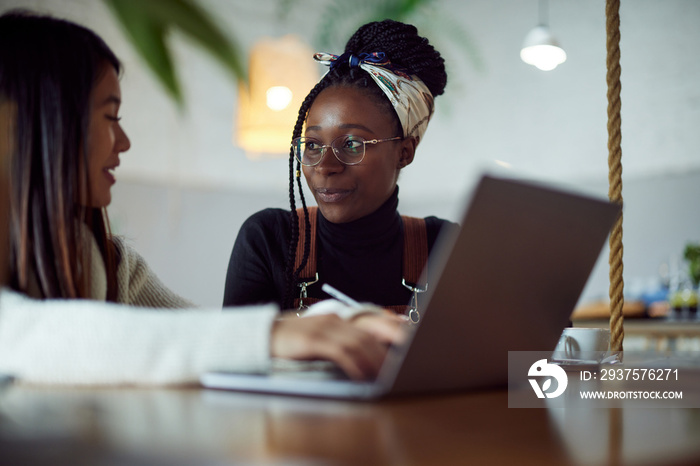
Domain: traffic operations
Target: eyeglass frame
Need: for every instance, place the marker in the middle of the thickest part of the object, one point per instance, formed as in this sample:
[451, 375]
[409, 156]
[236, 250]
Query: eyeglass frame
[334, 149]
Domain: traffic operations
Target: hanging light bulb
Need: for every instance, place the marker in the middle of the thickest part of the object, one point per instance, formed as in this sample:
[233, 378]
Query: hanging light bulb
[540, 48]
[279, 97]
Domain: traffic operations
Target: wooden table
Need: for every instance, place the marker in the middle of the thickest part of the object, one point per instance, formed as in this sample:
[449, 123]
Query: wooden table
[194, 426]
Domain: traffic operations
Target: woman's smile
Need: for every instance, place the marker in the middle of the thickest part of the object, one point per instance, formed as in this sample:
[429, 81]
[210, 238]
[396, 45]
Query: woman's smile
[109, 172]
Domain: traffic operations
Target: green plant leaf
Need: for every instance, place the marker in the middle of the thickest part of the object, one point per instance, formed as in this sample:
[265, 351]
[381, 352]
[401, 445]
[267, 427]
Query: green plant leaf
[148, 22]
[692, 251]
[196, 23]
[341, 18]
[692, 255]
[148, 37]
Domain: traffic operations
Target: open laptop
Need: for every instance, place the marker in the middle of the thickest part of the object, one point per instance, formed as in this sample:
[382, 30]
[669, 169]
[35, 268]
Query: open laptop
[508, 280]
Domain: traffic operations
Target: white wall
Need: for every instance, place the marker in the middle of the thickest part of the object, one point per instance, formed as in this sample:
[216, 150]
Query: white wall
[184, 188]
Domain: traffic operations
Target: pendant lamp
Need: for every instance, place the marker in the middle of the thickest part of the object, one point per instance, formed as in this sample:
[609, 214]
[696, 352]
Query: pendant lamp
[540, 48]
[281, 72]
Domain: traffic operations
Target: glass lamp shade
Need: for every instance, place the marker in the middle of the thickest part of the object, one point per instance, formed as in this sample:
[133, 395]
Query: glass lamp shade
[281, 72]
[542, 50]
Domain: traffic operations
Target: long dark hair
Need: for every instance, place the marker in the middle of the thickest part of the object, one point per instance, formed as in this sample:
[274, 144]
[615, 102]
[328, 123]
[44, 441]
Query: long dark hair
[404, 47]
[48, 68]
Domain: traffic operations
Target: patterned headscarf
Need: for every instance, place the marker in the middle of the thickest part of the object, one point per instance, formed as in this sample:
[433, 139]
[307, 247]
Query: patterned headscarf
[410, 97]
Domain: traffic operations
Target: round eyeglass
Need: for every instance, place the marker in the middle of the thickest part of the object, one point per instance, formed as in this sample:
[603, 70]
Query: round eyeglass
[348, 149]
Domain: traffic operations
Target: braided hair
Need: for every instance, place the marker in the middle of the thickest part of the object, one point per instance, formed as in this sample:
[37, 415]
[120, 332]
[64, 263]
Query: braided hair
[403, 47]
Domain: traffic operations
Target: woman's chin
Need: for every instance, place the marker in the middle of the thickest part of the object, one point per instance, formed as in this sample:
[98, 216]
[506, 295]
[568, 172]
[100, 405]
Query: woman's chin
[336, 214]
[99, 202]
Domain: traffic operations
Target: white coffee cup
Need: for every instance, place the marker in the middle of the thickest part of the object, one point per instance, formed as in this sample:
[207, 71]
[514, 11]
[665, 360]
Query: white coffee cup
[582, 344]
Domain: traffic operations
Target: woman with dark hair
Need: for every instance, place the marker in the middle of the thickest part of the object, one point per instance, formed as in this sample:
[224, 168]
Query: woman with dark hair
[362, 123]
[60, 131]
[63, 81]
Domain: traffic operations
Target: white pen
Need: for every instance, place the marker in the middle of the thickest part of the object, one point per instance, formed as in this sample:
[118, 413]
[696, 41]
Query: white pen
[342, 297]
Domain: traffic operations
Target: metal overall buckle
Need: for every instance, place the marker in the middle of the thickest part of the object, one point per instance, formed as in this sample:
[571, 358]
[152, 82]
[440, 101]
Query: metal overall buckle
[413, 314]
[303, 295]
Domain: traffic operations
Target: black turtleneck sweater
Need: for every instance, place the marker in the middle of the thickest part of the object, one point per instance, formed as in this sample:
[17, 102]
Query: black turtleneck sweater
[362, 258]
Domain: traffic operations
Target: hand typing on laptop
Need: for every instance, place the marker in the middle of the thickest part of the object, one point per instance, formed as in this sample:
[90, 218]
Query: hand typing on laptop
[357, 344]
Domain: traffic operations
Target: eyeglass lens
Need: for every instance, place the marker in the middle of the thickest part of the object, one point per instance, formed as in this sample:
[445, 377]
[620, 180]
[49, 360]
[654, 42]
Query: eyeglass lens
[349, 150]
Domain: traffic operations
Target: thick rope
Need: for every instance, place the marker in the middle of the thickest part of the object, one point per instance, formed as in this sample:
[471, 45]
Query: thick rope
[612, 27]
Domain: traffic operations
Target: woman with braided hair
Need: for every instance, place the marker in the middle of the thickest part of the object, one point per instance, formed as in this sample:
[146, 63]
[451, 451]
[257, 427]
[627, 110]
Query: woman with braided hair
[361, 125]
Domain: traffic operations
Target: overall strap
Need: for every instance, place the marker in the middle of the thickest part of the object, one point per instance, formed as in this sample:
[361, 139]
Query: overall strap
[415, 255]
[415, 258]
[415, 250]
[308, 274]
[309, 271]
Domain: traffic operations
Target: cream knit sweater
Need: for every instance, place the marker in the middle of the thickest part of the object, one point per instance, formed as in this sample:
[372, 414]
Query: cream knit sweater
[137, 284]
[85, 342]
[91, 342]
